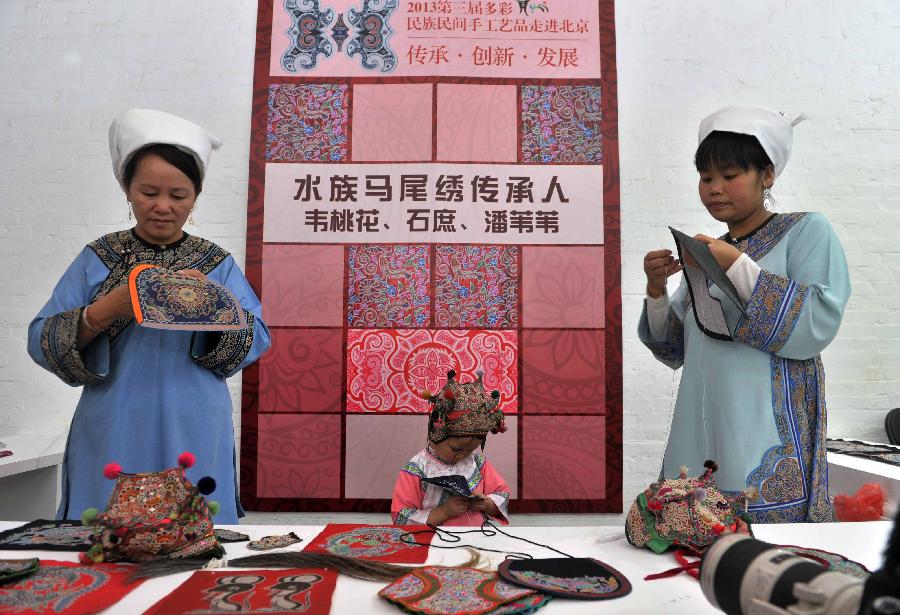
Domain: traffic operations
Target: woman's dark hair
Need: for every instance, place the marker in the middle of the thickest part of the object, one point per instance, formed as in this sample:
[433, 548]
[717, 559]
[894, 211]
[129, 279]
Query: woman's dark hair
[730, 149]
[179, 159]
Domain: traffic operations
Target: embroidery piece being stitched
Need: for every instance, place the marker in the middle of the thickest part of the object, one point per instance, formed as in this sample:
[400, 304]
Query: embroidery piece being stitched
[381, 543]
[436, 590]
[267, 543]
[66, 588]
[44, 535]
[302, 590]
[166, 299]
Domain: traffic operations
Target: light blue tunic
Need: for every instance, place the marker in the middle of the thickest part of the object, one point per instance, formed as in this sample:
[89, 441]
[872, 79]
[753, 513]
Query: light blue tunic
[149, 394]
[756, 405]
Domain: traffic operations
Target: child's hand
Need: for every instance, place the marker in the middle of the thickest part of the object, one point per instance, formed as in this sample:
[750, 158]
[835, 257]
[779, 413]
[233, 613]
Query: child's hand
[484, 504]
[724, 253]
[658, 265]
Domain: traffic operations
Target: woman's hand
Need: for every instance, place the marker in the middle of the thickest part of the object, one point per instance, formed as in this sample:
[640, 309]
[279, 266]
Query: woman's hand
[103, 312]
[659, 265]
[192, 273]
[724, 253]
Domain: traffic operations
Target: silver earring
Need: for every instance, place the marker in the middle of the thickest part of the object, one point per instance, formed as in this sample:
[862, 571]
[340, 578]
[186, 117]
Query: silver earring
[191, 218]
[768, 199]
[129, 209]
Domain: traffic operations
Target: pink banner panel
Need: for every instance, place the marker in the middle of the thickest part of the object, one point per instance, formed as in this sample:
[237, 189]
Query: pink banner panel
[476, 122]
[388, 369]
[302, 285]
[299, 456]
[563, 371]
[392, 122]
[549, 39]
[563, 457]
[563, 287]
[301, 373]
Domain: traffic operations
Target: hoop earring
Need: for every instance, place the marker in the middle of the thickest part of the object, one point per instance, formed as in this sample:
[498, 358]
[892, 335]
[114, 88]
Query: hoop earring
[130, 216]
[768, 199]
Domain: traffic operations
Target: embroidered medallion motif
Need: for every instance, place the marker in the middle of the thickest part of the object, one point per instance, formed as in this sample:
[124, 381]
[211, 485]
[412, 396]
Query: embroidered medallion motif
[253, 591]
[308, 40]
[43, 535]
[435, 590]
[371, 35]
[68, 589]
[165, 299]
[380, 543]
[268, 543]
[832, 561]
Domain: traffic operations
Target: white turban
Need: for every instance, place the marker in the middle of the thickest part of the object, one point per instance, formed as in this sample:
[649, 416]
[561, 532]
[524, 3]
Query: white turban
[773, 131]
[139, 127]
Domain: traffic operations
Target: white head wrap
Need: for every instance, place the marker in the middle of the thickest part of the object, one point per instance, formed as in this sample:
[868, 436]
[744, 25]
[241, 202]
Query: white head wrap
[139, 127]
[773, 131]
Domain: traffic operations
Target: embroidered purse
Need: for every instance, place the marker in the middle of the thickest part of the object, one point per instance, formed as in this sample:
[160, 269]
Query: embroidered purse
[154, 516]
[685, 513]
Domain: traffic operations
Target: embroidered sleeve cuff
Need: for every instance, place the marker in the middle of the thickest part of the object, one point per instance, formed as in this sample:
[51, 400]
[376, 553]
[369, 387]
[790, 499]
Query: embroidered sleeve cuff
[744, 273]
[772, 312]
[223, 353]
[501, 499]
[59, 343]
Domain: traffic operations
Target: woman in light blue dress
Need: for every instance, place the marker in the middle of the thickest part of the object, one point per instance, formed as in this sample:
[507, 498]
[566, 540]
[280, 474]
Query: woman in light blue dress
[149, 394]
[755, 403]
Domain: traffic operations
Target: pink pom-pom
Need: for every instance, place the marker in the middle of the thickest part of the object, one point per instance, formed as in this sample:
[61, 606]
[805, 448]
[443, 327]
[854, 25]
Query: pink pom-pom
[112, 470]
[186, 459]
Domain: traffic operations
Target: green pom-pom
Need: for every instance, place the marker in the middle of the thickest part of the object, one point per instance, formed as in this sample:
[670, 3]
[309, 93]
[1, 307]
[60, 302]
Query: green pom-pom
[88, 516]
[213, 507]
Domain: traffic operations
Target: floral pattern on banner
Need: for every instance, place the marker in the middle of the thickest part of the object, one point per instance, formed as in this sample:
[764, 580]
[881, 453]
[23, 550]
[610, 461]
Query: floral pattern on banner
[477, 286]
[561, 123]
[307, 122]
[388, 286]
[387, 369]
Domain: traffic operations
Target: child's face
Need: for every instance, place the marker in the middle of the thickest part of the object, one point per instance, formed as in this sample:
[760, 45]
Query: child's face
[456, 448]
[732, 195]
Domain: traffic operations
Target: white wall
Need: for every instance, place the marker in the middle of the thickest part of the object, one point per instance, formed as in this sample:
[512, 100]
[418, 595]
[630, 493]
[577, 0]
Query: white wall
[68, 67]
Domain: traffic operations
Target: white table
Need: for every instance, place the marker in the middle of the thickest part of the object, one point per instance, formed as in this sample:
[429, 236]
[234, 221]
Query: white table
[863, 542]
[29, 478]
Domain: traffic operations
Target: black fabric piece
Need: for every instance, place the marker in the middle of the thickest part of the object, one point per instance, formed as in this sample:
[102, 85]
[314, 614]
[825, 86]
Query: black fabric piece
[46, 535]
[454, 483]
[15, 569]
[892, 426]
[223, 535]
[883, 453]
[582, 578]
[707, 309]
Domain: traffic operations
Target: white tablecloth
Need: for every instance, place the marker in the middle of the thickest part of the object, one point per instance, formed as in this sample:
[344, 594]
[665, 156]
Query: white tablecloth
[863, 542]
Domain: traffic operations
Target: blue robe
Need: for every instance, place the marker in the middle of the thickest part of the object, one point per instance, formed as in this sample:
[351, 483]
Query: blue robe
[756, 405]
[149, 394]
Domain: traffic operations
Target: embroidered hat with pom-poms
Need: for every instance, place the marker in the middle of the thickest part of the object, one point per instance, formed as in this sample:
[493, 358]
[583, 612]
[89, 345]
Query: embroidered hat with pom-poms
[686, 512]
[154, 516]
[464, 410]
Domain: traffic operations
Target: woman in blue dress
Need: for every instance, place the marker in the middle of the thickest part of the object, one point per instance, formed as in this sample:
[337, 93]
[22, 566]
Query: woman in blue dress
[149, 394]
[754, 403]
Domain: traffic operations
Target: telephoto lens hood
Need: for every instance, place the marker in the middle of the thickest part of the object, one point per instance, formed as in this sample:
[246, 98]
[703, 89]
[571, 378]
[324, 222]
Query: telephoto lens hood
[744, 576]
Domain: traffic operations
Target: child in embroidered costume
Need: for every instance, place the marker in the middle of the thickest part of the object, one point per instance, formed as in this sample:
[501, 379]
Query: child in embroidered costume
[756, 401]
[463, 415]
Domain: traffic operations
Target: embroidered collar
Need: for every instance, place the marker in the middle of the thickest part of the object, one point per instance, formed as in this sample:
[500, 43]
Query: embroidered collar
[156, 247]
[734, 240]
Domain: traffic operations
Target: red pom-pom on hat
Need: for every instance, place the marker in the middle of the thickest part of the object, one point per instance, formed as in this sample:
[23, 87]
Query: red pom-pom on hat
[186, 459]
[112, 471]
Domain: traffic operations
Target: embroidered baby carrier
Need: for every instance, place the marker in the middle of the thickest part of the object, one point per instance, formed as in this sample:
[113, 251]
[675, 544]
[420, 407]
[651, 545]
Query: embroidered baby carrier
[685, 513]
[154, 516]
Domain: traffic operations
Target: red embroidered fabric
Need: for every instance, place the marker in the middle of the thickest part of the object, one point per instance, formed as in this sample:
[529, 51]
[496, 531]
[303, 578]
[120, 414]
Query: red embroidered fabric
[300, 590]
[375, 542]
